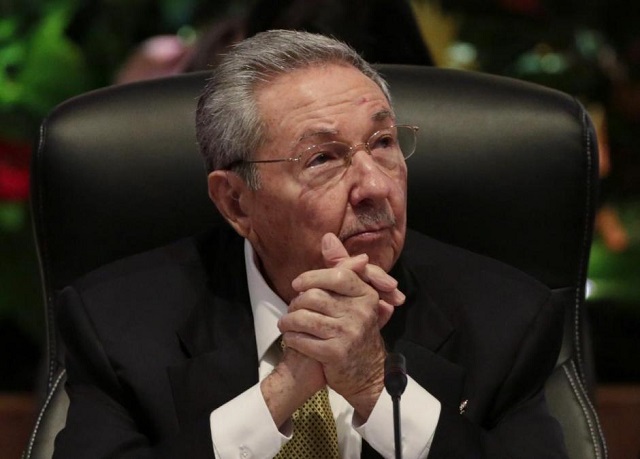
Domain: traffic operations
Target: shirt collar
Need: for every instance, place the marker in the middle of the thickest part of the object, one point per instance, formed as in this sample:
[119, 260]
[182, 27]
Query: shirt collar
[266, 305]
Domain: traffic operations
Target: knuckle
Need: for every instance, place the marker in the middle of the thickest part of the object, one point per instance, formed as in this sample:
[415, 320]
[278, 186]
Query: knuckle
[343, 275]
[318, 300]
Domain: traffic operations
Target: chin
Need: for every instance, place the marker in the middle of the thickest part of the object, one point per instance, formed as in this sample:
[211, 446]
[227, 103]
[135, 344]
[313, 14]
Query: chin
[383, 256]
[385, 261]
[383, 247]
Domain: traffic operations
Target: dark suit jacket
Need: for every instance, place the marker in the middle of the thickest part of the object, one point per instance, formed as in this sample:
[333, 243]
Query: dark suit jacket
[157, 341]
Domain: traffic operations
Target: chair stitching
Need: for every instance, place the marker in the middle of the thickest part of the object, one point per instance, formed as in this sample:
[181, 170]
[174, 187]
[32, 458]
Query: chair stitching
[585, 410]
[32, 438]
[51, 340]
[600, 438]
[46, 268]
[598, 441]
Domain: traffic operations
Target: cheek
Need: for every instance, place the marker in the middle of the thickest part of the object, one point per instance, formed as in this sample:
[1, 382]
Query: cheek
[268, 218]
[398, 197]
[323, 210]
[299, 219]
[399, 207]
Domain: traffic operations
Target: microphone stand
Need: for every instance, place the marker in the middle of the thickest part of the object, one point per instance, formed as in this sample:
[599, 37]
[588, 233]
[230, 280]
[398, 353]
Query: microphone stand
[395, 381]
[397, 435]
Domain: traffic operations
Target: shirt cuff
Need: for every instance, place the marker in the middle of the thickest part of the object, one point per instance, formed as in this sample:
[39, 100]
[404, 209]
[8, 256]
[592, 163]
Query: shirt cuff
[419, 414]
[243, 428]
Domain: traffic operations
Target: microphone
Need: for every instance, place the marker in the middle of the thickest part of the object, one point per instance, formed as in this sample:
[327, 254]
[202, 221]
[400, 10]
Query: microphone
[395, 382]
[395, 374]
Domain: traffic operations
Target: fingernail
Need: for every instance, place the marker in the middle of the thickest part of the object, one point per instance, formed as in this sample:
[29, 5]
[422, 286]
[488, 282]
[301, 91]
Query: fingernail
[400, 297]
[389, 282]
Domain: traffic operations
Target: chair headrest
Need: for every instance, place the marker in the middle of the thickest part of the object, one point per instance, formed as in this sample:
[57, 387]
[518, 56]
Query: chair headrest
[503, 167]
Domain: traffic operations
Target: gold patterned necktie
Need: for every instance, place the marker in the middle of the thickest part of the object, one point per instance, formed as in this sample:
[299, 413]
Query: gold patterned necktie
[314, 430]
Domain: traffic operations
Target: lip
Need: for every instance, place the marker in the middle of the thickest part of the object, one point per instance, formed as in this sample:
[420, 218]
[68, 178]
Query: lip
[368, 235]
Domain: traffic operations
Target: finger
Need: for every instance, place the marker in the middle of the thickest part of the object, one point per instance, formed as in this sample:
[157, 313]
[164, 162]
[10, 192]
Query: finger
[356, 264]
[385, 284]
[341, 281]
[332, 250]
[317, 343]
[336, 255]
[395, 298]
[317, 300]
[308, 323]
[385, 311]
[378, 278]
[309, 346]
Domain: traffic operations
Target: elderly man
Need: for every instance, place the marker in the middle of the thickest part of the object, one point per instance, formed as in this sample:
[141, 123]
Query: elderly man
[268, 337]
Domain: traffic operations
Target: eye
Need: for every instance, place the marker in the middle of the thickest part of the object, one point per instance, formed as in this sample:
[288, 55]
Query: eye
[323, 155]
[383, 140]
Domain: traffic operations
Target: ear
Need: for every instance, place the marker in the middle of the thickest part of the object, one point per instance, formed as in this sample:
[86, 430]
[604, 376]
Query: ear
[227, 190]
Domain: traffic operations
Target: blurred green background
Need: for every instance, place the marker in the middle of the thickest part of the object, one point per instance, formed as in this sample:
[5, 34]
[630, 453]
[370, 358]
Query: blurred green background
[51, 50]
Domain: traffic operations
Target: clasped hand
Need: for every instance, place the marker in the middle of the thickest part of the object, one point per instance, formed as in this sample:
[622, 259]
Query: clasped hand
[335, 323]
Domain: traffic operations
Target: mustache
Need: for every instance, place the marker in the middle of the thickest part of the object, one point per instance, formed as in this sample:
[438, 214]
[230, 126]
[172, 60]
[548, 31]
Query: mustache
[368, 219]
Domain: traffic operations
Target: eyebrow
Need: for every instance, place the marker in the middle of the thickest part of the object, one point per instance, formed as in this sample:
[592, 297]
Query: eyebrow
[382, 115]
[377, 117]
[317, 133]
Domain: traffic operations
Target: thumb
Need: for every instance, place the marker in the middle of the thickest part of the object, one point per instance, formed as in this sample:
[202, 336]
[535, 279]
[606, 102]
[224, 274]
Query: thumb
[333, 251]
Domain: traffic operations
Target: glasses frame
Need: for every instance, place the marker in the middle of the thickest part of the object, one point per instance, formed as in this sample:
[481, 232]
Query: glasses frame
[353, 149]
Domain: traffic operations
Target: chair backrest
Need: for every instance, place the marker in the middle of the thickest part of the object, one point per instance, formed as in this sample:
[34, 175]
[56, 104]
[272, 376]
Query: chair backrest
[503, 168]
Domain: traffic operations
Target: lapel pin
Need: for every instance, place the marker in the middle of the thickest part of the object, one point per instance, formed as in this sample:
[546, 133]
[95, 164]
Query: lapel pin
[463, 406]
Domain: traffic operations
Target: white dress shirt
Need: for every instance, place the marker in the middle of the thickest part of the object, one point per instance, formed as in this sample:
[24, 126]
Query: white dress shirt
[243, 427]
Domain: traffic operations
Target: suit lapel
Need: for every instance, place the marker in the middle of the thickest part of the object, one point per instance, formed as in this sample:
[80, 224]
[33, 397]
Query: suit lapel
[421, 331]
[218, 338]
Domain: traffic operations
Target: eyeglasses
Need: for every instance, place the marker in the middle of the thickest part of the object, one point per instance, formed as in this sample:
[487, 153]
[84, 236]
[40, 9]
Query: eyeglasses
[319, 164]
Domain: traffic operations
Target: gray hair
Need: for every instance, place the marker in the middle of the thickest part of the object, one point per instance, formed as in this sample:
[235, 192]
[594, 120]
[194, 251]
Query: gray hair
[228, 126]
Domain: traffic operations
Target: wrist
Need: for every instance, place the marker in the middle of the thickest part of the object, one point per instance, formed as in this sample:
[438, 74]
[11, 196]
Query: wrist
[289, 385]
[364, 402]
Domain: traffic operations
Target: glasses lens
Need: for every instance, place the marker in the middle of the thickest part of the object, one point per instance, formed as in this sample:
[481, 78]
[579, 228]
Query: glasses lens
[390, 146]
[327, 161]
[323, 162]
[406, 140]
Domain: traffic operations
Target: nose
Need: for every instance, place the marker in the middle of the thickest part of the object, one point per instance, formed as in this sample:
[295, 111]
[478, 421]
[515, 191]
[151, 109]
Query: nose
[368, 180]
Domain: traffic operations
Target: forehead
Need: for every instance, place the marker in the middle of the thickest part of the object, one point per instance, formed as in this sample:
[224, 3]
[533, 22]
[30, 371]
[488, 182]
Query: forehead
[324, 95]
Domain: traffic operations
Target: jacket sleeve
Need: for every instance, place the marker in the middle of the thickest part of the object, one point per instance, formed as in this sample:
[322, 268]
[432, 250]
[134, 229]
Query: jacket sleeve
[518, 424]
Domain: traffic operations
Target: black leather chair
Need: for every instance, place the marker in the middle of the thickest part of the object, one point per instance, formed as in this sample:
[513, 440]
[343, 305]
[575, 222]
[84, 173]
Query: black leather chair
[503, 168]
